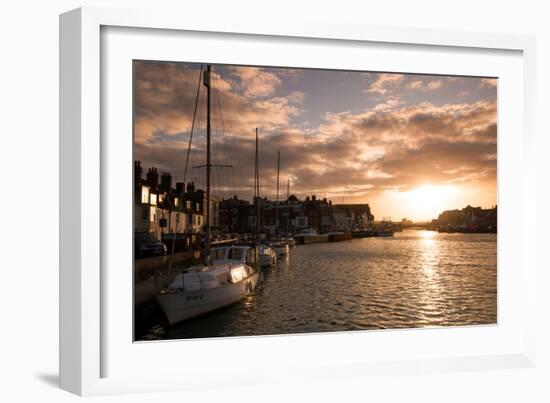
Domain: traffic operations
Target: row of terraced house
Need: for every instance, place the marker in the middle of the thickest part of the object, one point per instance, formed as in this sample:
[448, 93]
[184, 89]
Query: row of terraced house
[161, 209]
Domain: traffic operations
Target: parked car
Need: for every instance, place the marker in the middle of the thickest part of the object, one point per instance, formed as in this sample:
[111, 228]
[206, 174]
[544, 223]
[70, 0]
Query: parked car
[146, 245]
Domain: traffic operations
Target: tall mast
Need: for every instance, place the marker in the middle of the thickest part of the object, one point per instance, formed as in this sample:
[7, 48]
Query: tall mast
[206, 82]
[277, 205]
[278, 167]
[287, 204]
[257, 188]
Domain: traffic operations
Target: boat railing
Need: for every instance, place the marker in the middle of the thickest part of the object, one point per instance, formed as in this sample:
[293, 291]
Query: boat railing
[162, 279]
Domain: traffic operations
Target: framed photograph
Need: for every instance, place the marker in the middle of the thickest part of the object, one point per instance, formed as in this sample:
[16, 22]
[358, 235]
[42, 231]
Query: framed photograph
[342, 199]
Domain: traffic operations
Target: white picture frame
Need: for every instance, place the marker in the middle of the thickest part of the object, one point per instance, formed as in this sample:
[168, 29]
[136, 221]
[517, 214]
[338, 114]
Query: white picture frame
[83, 163]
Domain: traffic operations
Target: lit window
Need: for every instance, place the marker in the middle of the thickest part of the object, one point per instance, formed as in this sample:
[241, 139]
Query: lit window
[177, 202]
[197, 206]
[153, 214]
[153, 199]
[144, 194]
[188, 204]
[161, 198]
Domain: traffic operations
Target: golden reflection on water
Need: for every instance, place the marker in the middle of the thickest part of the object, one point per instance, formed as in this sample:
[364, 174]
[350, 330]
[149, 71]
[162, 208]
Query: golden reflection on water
[429, 259]
[429, 252]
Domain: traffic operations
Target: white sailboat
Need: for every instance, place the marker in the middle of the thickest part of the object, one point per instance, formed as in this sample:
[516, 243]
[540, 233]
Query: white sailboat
[231, 274]
[202, 289]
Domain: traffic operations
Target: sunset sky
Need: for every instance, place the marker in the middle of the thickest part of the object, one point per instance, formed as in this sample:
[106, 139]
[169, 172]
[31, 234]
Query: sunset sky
[409, 145]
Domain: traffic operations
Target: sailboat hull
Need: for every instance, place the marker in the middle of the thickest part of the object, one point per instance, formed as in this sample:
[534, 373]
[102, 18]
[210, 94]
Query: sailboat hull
[183, 305]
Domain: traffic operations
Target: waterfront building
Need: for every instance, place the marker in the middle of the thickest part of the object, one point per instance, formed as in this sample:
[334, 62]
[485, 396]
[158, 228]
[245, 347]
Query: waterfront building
[359, 215]
[318, 213]
[160, 209]
[278, 217]
[468, 219]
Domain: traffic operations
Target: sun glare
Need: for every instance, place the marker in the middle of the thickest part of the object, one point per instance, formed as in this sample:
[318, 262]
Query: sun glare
[428, 201]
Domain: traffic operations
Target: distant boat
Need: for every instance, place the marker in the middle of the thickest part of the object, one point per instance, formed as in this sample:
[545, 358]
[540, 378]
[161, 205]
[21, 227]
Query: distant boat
[281, 247]
[290, 241]
[363, 233]
[309, 236]
[202, 289]
[267, 256]
[385, 229]
[384, 232]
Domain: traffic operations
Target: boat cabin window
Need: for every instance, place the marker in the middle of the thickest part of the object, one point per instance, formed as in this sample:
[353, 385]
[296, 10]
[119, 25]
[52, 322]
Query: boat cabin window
[236, 254]
[218, 254]
[251, 256]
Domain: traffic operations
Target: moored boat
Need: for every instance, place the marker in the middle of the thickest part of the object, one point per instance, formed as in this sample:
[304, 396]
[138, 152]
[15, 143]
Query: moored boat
[202, 289]
[267, 256]
[290, 242]
[363, 233]
[233, 271]
[310, 236]
[384, 232]
[280, 247]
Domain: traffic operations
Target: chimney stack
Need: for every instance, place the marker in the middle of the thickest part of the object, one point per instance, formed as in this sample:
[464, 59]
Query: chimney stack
[152, 178]
[166, 182]
[138, 170]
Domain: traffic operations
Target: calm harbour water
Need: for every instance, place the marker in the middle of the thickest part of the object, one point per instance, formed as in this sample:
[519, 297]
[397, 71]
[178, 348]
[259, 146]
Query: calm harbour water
[414, 279]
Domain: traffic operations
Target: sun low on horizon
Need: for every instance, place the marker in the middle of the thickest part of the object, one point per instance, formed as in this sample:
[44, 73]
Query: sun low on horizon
[427, 201]
[410, 145]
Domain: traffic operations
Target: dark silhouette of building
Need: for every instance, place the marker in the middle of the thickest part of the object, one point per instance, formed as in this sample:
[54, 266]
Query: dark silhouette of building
[166, 182]
[234, 214]
[469, 219]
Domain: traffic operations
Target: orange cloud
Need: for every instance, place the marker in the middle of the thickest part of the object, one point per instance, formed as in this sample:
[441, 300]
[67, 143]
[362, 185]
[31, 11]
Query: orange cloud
[256, 81]
[384, 82]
